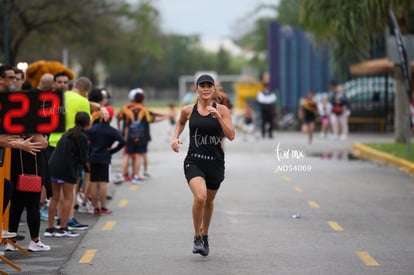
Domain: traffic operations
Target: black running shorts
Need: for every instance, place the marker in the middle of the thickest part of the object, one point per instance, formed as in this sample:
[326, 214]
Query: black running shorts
[99, 172]
[212, 171]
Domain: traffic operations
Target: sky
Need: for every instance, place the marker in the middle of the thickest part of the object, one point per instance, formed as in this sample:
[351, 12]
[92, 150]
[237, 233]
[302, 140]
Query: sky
[211, 19]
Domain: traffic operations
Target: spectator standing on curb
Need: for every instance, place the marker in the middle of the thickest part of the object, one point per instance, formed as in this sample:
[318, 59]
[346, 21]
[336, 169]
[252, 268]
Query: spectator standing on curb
[324, 109]
[30, 201]
[61, 84]
[30, 145]
[137, 134]
[267, 100]
[121, 125]
[209, 123]
[102, 136]
[74, 102]
[84, 193]
[340, 114]
[66, 163]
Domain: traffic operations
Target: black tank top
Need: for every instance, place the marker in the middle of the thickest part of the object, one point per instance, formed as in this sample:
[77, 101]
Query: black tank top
[205, 137]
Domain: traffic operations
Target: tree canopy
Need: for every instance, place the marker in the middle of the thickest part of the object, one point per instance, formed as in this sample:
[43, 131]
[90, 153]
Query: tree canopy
[125, 39]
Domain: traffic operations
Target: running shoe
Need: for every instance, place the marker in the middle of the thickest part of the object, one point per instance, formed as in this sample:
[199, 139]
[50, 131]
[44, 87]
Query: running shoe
[85, 208]
[38, 246]
[44, 215]
[50, 232]
[73, 224]
[198, 245]
[9, 248]
[7, 235]
[105, 211]
[127, 178]
[65, 232]
[118, 179]
[79, 198]
[206, 247]
[138, 179]
[97, 211]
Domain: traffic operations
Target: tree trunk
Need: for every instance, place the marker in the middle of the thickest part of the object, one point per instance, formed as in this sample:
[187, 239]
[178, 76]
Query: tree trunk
[402, 107]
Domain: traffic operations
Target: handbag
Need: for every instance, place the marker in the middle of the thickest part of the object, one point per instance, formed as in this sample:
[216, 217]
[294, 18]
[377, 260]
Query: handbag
[28, 182]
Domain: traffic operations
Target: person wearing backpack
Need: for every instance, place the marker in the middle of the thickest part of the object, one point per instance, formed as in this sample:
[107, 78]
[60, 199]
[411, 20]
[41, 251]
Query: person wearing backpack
[137, 133]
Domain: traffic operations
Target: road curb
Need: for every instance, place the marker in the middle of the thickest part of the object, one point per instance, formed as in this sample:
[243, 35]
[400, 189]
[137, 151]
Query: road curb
[365, 152]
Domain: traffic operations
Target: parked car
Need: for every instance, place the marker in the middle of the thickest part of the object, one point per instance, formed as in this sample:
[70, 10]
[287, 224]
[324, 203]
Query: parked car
[371, 97]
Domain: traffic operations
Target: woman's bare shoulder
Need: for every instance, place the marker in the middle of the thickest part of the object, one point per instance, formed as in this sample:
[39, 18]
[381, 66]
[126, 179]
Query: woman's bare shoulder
[187, 109]
[222, 108]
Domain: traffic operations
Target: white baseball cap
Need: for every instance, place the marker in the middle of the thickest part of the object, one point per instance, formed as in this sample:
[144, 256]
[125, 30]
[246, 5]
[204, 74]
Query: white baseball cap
[133, 92]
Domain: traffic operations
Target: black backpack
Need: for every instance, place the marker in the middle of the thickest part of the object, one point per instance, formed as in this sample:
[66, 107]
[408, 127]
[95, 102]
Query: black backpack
[137, 134]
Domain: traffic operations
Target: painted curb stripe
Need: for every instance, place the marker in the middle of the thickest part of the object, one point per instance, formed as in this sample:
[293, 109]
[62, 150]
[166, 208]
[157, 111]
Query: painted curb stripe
[108, 226]
[88, 256]
[122, 203]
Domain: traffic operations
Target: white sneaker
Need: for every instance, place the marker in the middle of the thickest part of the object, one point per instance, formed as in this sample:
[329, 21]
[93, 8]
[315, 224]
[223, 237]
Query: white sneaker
[138, 179]
[86, 209]
[39, 246]
[9, 248]
[7, 235]
[79, 198]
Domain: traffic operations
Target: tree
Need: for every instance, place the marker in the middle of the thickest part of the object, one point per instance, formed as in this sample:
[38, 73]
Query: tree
[124, 38]
[351, 25]
[40, 18]
[255, 39]
[288, 13]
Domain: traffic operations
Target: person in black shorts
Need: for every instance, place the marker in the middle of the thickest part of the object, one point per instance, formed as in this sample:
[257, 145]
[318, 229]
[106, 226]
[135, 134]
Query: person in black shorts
[104, 141]
[209, 123]
[66, 163]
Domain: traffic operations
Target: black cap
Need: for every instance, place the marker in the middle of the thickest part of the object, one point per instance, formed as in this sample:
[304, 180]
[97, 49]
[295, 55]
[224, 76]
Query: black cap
[205, 78]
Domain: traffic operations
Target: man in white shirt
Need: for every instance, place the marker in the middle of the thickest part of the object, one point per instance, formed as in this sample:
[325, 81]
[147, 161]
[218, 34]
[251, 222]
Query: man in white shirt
[266, 100]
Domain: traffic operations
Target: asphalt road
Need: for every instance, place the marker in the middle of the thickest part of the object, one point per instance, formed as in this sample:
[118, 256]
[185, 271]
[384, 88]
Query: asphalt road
[285, 207]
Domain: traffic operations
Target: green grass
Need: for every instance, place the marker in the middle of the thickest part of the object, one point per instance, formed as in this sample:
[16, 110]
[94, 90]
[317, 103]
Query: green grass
[399, 150]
